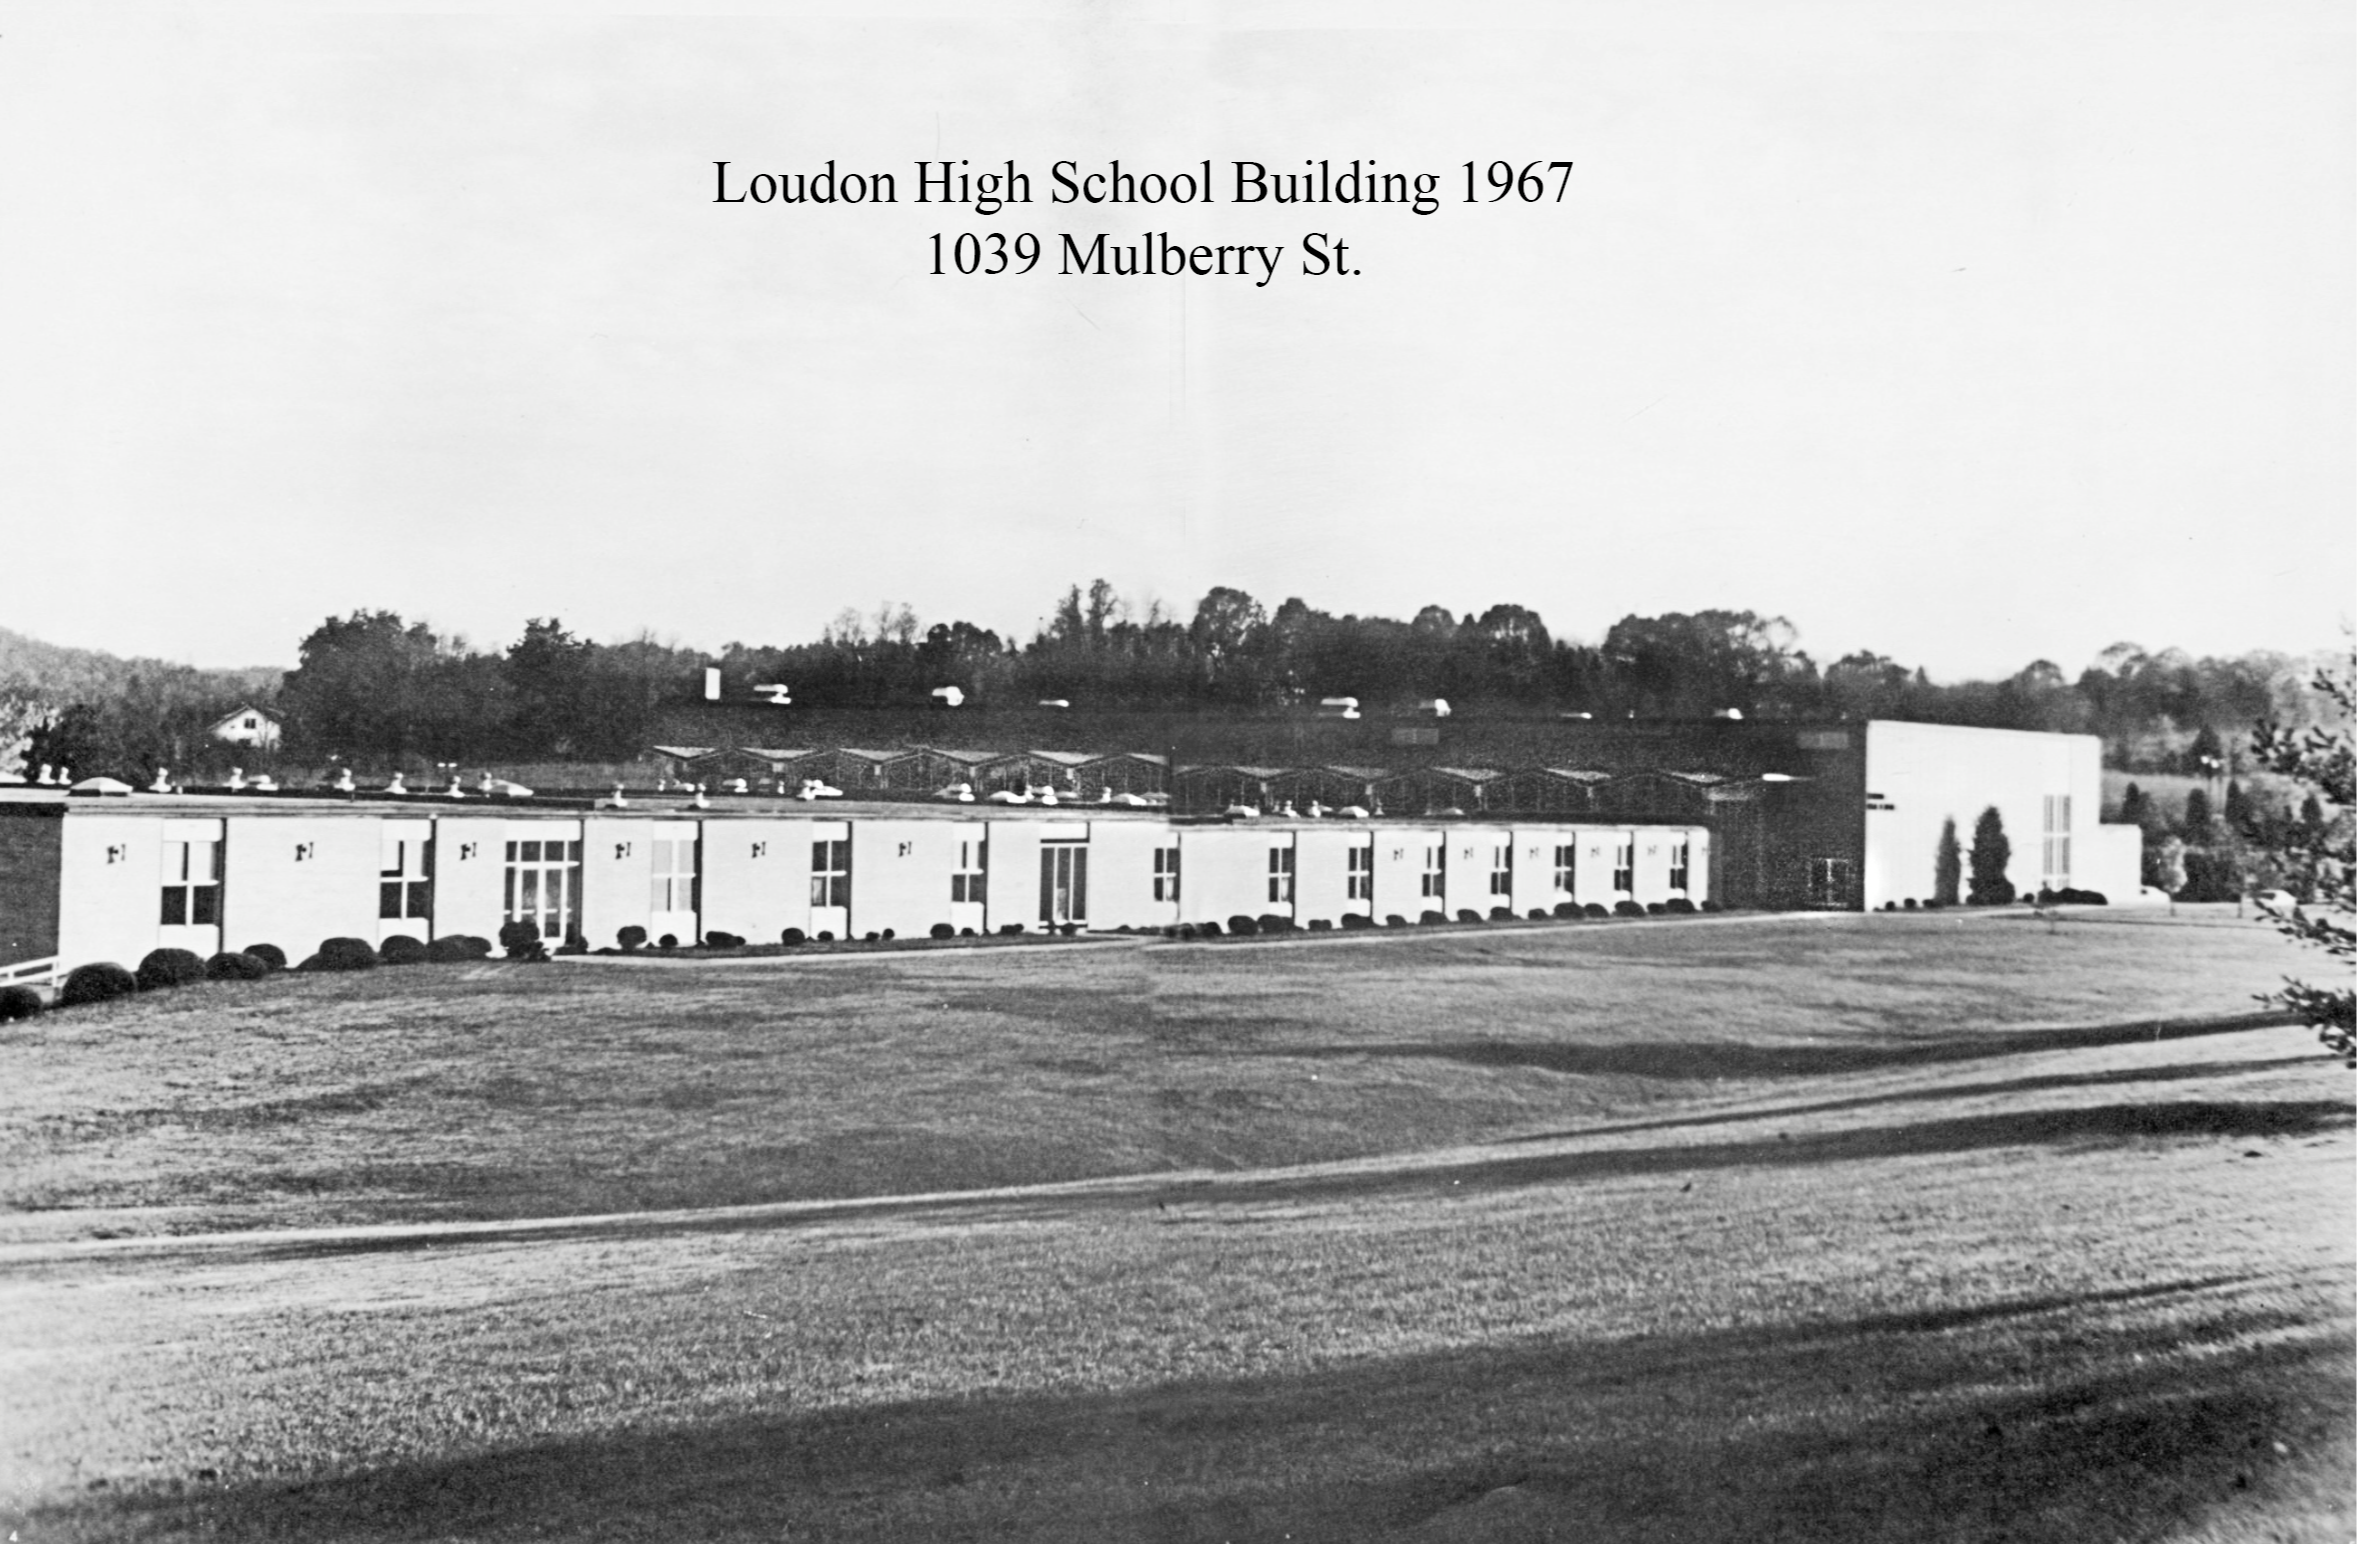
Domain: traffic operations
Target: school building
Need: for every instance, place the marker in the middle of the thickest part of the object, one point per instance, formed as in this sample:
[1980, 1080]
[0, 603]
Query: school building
[90, 876]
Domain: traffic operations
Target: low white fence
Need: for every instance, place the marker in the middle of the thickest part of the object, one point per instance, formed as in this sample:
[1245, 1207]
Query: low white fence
[30, 973]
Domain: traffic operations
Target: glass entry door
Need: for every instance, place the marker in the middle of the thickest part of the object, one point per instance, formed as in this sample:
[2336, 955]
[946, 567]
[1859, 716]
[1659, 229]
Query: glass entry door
[544, 886]
[1832, 883]
[1063, 883]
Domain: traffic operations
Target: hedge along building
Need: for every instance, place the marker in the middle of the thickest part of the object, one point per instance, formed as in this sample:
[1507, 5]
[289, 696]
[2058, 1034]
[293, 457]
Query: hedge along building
[87, 878]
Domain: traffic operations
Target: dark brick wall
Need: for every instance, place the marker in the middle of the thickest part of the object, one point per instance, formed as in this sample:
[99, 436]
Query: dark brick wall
[31, 840]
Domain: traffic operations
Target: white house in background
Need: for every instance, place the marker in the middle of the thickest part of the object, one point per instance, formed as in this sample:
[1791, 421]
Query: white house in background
[257, 727]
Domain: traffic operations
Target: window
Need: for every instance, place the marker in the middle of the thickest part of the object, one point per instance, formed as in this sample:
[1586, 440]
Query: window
[1501, 870]
[1624, 866]
[1433, 859]
[830, 873]
[1166, 873]
[192, 884]
[966, 882]
[253, 723]
[1681, 863]
[406, 887]
[1281, 876]
[673, 887]
[2056, 855]
[1567, 867]
[1359, 883]
[544, 885]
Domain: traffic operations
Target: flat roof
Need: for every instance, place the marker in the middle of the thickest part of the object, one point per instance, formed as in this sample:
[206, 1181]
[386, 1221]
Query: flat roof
[35, 798]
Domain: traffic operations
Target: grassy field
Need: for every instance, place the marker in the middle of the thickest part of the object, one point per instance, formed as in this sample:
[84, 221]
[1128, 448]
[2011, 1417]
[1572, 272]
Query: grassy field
[1856, 1228]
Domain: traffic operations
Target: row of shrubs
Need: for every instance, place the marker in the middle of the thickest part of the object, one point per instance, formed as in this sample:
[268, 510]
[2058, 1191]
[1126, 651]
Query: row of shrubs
[1241, 926]
[165, 969]
[2063, 897]
[633, 939]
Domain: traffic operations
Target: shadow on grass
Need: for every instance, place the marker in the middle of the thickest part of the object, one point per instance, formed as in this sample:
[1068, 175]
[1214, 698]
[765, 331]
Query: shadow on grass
[1689, 1060]
[2101, 1125]
[2112, 1077]
[2124, 1415]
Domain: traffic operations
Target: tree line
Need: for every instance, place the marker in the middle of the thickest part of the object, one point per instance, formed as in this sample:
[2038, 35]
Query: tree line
[376, 689]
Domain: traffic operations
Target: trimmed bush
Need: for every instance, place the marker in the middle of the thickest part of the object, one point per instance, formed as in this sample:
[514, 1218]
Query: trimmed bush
[1501, 913]
[1009, 929]
[1567, 908]
[792, 936]
[96, 983]
[631, 937]
[1712, 906]
[667, 941]
[1681, 907]
[965, 932]
[1627, 909]
[888, 933]
[1320, 925]
[1207, 929]
[1068, 928]
[719, 940]
[1394, 919]
[19, 1002]
[269, 954]
[1539, 914]
[343, 954]
[168, 968]
[1241, 926]
[1468, 914]
[1657, 908]
[401, 949]
[870, 938]
[1275, 922]
[235, 967]
[1908, 904]
[826, 935]
[1431, 918]
[457, 949]
[943, 930]
[1352, 921]
[519, 940]
[1595, 909]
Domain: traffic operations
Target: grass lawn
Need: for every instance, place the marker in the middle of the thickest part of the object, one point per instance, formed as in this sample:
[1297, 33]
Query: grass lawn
[1859, 1228]
[494, 1091]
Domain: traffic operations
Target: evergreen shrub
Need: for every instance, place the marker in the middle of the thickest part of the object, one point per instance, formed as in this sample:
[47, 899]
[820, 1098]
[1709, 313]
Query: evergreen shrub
[168, 968]
[96, 983]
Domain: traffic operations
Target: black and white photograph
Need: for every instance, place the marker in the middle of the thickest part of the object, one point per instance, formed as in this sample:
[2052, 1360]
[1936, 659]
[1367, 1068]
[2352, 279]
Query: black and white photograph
[1183, 772]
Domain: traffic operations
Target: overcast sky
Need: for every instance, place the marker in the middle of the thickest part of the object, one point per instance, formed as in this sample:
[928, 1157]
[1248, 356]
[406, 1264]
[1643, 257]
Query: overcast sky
[2010, 334]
